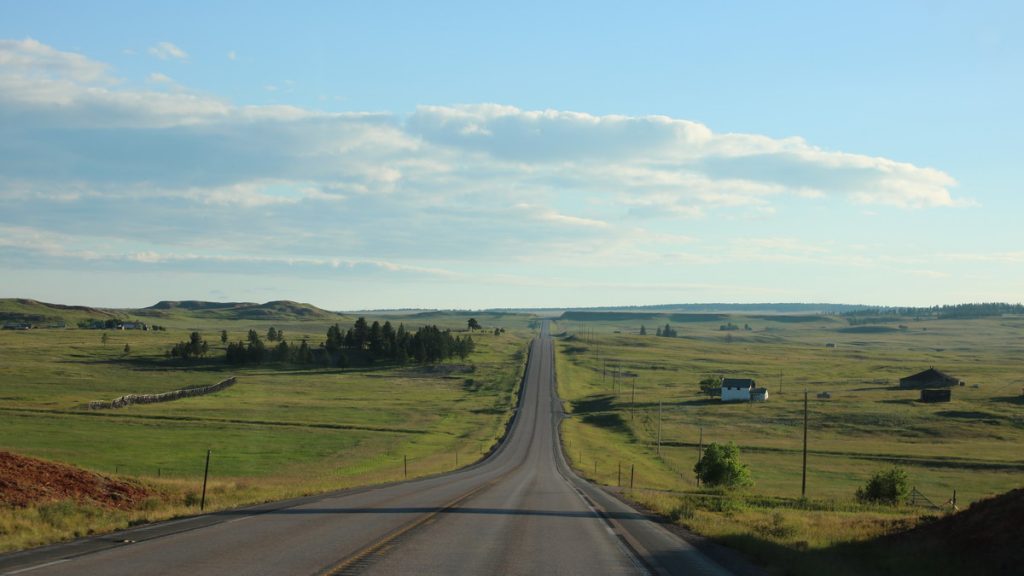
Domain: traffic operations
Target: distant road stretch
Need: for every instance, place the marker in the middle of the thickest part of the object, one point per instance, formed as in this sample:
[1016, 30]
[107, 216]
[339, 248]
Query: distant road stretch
[521, 511]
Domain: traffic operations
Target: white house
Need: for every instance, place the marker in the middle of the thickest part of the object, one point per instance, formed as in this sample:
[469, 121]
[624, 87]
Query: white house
[737, 389]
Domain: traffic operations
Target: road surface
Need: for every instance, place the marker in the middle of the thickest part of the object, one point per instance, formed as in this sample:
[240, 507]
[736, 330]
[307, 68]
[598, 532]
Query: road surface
[521, 511]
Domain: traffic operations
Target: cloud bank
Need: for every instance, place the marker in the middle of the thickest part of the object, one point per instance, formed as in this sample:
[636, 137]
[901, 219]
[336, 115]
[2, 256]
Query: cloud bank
[154, 174]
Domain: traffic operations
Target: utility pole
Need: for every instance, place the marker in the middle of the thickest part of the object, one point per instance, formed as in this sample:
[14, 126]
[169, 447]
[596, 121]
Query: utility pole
[632, 403]
[206, 474]
[803, 481]
[659, 427]
[700, 452]
[780, 382]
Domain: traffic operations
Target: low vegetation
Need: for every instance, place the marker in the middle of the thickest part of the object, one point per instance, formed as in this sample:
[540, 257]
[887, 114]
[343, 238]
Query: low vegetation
[624, 391]
[890, 486]
[283, 430]
[720, 466]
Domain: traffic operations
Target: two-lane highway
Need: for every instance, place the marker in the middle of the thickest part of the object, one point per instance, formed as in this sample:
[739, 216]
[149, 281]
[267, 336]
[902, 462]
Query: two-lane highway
[521, 511]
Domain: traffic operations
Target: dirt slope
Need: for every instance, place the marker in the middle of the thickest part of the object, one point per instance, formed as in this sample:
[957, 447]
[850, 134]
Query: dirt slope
[988, 537]
[25, 481]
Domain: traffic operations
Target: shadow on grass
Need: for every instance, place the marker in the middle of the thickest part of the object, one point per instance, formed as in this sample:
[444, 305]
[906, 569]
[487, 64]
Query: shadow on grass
[151, 364]
[682, 403]
[900, 401]
[874, 388]
[602, 403]
[1018, 400]
[599, 411]
[976, 415]
[884, 556]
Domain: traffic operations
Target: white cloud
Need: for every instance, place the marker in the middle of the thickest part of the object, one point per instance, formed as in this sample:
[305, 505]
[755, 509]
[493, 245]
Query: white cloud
[556, 218]
[168, 51]
[232, 55]
[479, 182]
[1000, 257]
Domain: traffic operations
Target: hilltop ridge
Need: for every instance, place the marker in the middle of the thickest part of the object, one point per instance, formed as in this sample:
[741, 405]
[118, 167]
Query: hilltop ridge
[26, 310]
[273, 310]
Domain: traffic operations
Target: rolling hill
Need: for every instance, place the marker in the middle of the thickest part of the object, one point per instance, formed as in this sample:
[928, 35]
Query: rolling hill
[275, 310]
[31, 311]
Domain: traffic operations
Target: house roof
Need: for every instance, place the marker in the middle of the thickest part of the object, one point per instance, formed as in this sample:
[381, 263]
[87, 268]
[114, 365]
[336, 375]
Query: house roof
[929, 374]
[738, 383]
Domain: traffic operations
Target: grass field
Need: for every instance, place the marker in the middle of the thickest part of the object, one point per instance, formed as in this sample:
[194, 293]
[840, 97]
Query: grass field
[279, 432]
[971, 445]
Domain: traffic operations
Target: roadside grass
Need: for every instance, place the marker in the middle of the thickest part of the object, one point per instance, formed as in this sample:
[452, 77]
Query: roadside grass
[278, 433]
[970, 445]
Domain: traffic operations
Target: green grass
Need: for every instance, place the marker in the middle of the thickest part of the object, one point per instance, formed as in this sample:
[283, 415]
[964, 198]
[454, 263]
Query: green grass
[279, 432]
[971, 445]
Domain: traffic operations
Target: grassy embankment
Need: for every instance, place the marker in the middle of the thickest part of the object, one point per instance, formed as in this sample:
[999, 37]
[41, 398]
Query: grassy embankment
[971, 445]
[279, 432]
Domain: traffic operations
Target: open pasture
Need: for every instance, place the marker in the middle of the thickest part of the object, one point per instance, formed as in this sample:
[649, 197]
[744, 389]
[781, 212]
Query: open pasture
[615, 383]
[280, 431]
[971, 444]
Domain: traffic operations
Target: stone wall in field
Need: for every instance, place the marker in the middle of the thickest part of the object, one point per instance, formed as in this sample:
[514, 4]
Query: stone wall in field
[129, 399]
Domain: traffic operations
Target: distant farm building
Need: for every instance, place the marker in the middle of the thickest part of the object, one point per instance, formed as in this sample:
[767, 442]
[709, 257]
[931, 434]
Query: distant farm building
[930, 378]
[737, 389]
[17, 326]
[759, 395]
[824, 395]
[132, 326]
[936, 395]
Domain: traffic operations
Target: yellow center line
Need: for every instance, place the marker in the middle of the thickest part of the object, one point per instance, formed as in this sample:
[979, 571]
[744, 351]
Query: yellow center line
[377, 546]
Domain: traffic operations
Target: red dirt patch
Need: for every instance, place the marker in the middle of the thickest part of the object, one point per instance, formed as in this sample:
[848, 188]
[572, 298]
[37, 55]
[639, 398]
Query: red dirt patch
[25, 481]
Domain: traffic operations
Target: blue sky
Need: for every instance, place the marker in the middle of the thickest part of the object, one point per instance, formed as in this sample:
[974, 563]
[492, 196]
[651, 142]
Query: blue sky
[464, 155]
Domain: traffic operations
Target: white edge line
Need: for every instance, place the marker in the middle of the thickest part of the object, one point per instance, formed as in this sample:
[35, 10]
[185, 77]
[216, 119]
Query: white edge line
[36, 567]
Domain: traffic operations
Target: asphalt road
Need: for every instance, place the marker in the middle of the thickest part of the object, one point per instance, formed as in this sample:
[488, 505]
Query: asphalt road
[521, 511]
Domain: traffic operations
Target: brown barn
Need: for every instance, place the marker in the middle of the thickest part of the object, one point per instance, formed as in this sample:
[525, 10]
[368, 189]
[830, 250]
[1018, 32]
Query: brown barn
[930, 378]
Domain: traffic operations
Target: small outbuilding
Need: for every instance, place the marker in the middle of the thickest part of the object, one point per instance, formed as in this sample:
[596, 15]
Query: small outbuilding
[930, 378]
[759, 395]
[737, 389]
[936, 395]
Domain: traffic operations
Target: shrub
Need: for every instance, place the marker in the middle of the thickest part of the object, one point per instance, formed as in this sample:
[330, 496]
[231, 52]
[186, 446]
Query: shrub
[683, 510]
[777, 527]
[191, 498]
[720, 466]
[886, 486]
[58, 514]
[711, 386]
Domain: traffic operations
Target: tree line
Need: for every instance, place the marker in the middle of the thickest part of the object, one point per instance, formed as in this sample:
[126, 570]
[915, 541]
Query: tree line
[955, 311]
[361, 344]
[668, 331]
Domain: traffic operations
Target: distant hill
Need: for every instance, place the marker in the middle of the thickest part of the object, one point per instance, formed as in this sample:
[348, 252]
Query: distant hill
[276, 310]
[35, 312]
[673, 315]
[722, 307]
